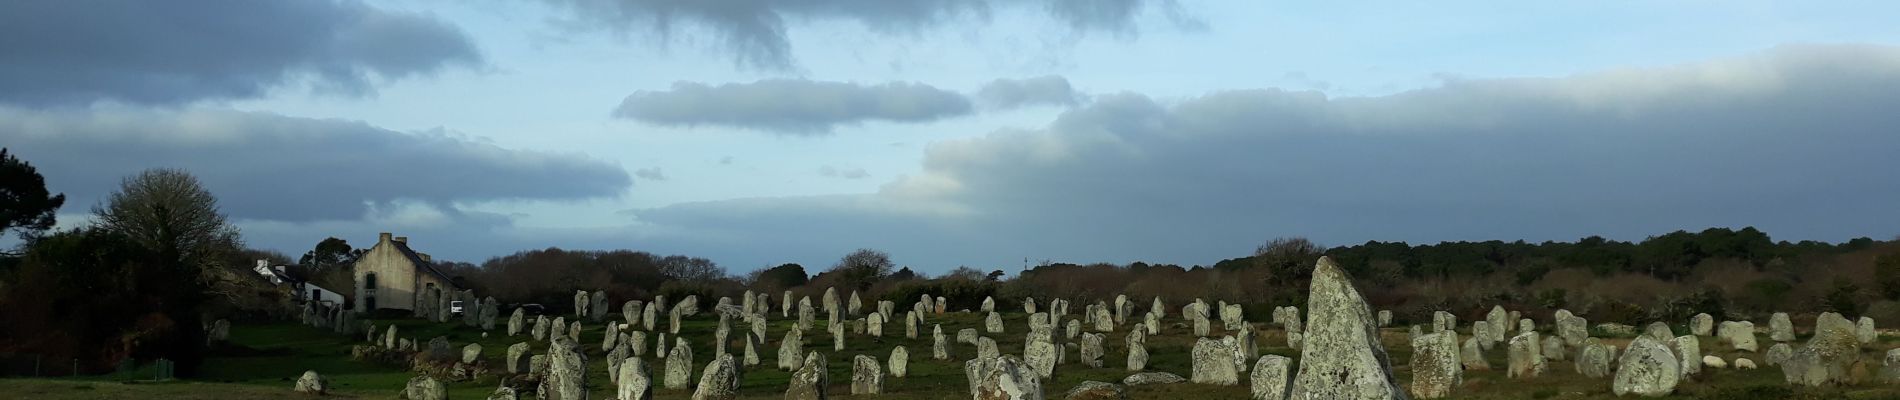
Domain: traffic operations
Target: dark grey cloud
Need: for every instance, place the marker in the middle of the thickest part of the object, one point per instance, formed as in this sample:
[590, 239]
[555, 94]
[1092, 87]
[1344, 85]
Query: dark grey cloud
[1797, 141]
[271, 167]
[172, 52]
[755, 31]
[1042, 90]
[792, 106]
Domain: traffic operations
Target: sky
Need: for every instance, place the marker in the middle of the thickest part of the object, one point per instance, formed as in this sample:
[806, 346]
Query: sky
[983, 133]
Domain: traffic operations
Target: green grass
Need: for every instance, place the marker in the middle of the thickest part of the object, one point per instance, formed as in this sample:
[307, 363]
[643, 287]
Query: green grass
[280, 352]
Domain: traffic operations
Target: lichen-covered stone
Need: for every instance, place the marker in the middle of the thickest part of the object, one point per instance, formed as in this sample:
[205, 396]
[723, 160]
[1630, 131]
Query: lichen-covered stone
[1152, 378]
[1689, 349]
[1270, 379]
[1647, 369]
[720, 380]
[312, 383]
[1213, 363]
[810, 380]
[1001, 378]
[1702, 324]
[1436, 369]
[1777, 354]
[1040, 357]
[1091, 351]
[1095, 390]
[1341, 356]
[1526, 356]
[1740, 335]
[423, 387]
[634, 380]
[1780, 329]
[1593, 359]
[566, 376]
[1471, 355]
[899, 363]
[679, 367]
[1828, 358]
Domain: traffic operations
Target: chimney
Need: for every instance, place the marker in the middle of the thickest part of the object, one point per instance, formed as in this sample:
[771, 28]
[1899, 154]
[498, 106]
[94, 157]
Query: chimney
[425, 257]
[402, 239]
[383, 238]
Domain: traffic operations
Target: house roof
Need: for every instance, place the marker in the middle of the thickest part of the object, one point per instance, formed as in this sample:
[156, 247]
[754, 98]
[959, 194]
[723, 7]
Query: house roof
[423, 264]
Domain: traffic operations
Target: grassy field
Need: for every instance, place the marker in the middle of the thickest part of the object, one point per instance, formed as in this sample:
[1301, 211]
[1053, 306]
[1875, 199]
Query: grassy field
[278, 353]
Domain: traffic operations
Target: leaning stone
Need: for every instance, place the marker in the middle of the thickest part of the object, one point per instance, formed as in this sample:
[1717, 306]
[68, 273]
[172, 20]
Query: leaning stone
[1777, 354]
[810, 380]
[1471, 354]
[986, 348]
[1435, 366]
[1041, 357]
[1341, 356]
[967, 336]
[1214, 363]
[1152, 378]
[720, 380]
[993, 323]
[1647, 369]
[788, 351]
[471, 353]
[517, 362]
[312, 383]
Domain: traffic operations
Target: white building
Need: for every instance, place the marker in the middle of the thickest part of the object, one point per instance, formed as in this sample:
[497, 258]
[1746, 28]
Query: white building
[299, 289]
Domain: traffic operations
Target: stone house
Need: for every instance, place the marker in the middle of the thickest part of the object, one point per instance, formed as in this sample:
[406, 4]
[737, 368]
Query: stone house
[393, 276]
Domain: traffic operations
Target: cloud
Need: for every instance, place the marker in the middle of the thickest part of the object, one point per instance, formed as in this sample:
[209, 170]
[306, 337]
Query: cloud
[1797, 141]
[792, 106]
[272, 167]
[652, 174]
[173, 52]
[755, 31]
[1015, 93]
[845, 173]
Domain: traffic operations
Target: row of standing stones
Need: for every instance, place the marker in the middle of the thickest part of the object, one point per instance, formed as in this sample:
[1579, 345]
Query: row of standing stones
[1339, 343]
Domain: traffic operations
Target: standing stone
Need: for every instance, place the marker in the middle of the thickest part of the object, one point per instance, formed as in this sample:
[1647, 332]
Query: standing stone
[1471, 355]
[1777, 354]
[805, 313]
[471, 353]
[1385, 318]
[616, 356]
[1500, 322]
[1104, 322]
[1701, 324]
[1231, 316]
[837, 337]
[517, 361]
[581, 302]
[967, 335]
[1780, 329]
[1738, 334]
[1137, 350]
[567, 371]
[1001, 378]
[1593, 359]
[554, 329]
[1041, 356]
[986, 347]
[608, 339]
[1152, 322]
[899, 362]
[1526, 325]
[939, 346]
[630, 312]
[989, 304]
[1341, 357]
[1443, 321]
[649, 316]
[637, 343]
[516, 320]
[1889, 367]
[1482, 331]
[1270, 378]
[574, 331]
[719, 381]
[1689, 350]
[993, 323]
[679, 367]
[1435, 365]
[422, 387]
[785, 305]
[1073, 329]
[312, 383]
[489, 311]
[1526, 356]
[1553, 348]
[1659, 331]
[751, 350]
[634, 380]
[855, 306]
[1213, 363]
[1863, 330]
[866, 376]
[874, 324]
[1647, 369]
[1092, 349]
[1201, 326]
[810, 380]
[789, 349]
[1830, 357]
[911, 321]
[389, 338]
[1573, 329]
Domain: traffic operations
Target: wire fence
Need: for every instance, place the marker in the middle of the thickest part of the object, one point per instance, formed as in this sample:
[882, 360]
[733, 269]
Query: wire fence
[39, 366]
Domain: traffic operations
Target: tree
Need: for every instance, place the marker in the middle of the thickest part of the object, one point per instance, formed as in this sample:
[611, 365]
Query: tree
[782, 277]
[863, 267]
[1288, 259]
[329, 266]
[1887, 275]
[25, 205]
[168, 212]
[170, 215]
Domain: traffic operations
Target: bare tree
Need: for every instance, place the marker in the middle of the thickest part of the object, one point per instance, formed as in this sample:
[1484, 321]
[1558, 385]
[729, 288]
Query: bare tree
[169, 213]
[1287, 259]
[863, 267]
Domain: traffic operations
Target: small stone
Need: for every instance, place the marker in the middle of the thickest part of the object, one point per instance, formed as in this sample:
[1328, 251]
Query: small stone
[312, 383]
[1714, 362]
[422, 387]
[1094, 390]
[1744, 364]
[1780, 329]
[1152, 378]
